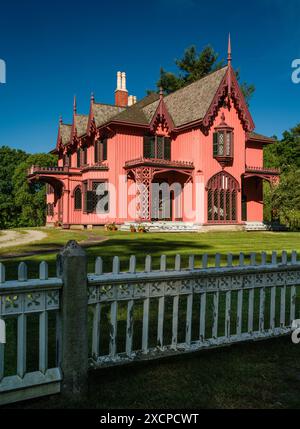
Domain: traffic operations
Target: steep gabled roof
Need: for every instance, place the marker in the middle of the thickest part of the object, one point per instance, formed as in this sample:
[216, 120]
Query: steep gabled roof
[191, 102]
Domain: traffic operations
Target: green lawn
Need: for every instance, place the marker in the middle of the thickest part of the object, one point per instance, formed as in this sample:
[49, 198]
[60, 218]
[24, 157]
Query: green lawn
[125, 244]
[257, 375]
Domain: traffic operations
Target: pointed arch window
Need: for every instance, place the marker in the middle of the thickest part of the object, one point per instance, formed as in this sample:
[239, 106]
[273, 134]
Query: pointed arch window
[78, 198]
[222, 191]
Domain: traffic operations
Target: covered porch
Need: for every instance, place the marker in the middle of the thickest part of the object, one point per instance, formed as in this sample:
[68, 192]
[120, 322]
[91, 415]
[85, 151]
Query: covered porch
[159, 188]
[252, 191]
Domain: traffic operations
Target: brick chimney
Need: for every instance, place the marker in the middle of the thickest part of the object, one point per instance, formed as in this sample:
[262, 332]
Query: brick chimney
[121, 93]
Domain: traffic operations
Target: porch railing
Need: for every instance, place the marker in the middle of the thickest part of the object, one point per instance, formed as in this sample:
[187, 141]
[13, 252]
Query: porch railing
[37, 169]
[265, 170]
[159, 162]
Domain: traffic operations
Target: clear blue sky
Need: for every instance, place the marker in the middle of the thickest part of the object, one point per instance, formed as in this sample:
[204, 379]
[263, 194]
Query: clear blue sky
[55, 49]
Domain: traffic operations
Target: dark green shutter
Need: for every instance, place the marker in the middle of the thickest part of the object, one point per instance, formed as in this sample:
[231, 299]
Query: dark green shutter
[167, 149]
[104, 150]
[215, 144]
[147, 146]
[96, 144]
[78, 158]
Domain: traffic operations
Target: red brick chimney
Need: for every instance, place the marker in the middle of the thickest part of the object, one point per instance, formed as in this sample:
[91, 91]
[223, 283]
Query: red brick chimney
[121, 93]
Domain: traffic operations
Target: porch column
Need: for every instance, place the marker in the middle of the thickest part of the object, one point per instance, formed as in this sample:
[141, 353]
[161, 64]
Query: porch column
[143, 178]
[65, 214]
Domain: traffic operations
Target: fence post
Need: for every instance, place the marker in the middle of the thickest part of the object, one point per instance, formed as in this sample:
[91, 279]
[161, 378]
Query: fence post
[72, 268]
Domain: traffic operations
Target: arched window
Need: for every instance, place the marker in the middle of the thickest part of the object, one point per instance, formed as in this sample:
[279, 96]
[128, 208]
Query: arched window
[222, 191]
[77, 199]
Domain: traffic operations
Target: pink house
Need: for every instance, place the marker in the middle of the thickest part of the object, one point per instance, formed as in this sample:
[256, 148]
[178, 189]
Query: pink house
[186, 161]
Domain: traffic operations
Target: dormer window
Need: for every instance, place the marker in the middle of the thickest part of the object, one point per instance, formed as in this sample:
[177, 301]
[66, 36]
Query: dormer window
[223, 142]
[157, 147]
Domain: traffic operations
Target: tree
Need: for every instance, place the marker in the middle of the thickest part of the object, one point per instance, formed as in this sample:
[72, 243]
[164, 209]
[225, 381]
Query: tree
[193, 66]
[21, 204]
[9, 158]
[30, 198]
[284, 200]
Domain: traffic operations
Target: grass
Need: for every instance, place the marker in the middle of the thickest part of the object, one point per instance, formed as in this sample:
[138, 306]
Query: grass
[257, 375]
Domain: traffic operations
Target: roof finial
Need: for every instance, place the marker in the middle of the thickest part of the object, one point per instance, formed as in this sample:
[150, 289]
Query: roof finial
[60, 119]
[229, 50]
[74, 105]
[92, 97]
[161, 92]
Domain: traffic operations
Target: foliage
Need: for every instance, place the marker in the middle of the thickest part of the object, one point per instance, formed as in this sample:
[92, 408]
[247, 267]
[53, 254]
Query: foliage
[21, 204]
[193, 66]
[111, 227]
[283, 202]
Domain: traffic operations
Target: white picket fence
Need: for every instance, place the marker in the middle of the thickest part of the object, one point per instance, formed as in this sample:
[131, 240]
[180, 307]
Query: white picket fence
[210, 285]
[146, 314]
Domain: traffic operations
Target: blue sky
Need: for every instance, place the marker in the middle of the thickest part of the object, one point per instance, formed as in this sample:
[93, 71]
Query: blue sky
[55, 49]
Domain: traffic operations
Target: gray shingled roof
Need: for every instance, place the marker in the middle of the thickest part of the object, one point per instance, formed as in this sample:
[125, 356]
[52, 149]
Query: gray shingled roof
[135, 113]
[191, 102]
[81, 122]
[104, 112]
[65, 133]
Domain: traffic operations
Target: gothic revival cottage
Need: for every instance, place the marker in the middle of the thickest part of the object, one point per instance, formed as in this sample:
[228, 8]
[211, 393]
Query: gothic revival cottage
[195, 149]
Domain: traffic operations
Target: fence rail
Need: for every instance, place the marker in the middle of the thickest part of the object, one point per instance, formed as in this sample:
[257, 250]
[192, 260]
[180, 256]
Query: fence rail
[135, 315]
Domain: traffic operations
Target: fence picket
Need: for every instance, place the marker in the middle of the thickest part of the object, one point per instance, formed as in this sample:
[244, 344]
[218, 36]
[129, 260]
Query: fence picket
[113, 328]
[21, 345]
[293, 258]
[250, 310]
[22, 272]
[204, 260]
[132, 264]
[274, 258]
[202, 316]
[227, 313]
[177, 263]
[175, 321]
[262, 297]
[215, 315]
[116, 265]
[239, 312]
[98, 266]
[293, 304]
[148, 263]
[160, 322]
[218, 260]
[282, 305]
[129, 327]
[145, 325]
[43, 271]
[252, 258]
[241, 259]
[229, 260]
[96, 330]
[189, 314]
[2, 350]
[163, 263]
[191, 262]
[43, 341]
[273, 307]
[2, 273]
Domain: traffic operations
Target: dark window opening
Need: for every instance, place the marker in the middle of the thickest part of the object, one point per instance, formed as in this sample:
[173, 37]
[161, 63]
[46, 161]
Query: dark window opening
[97, 199]
[157, 147]
[77, 199]
[222, 198]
